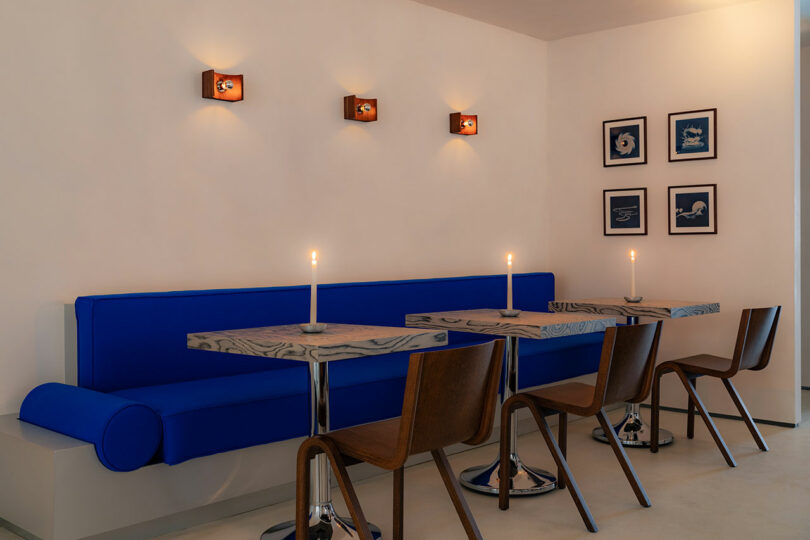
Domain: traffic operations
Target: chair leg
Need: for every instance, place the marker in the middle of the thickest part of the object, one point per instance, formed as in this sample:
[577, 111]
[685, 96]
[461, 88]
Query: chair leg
[721, 444]
[655, 414]
[454, 489]
[562, 436]
[399, 502]
[629, 472]
[302, 490]
[690, 413]
[506, 426]
[563, 471]
[752, 427]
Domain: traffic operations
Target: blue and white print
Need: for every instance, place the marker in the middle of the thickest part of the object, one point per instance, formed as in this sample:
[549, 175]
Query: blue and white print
[625, 212]
[692, 209]
[692, 135]
[625, 142]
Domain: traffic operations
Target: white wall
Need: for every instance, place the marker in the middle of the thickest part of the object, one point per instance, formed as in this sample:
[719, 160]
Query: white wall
[805, 174]
[741, 60]
[117, 176]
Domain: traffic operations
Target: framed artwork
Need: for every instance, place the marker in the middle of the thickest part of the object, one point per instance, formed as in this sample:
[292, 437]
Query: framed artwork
[624, 212]
[624, 142]
[693, 135]
[693, 209]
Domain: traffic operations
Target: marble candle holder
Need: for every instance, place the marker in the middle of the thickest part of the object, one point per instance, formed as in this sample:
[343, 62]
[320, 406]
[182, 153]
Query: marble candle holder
[313, 328]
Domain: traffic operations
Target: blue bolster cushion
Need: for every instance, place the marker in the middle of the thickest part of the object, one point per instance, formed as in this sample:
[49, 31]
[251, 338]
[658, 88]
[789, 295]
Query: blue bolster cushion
[126, 433]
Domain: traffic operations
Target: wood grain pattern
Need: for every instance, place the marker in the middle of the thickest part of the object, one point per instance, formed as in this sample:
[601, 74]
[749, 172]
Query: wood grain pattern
[658, 309]
[529, 324]
[458, 124]
[337, 342]
[210, 79]
[625, 373]
[450, 398]
[351, 112]
[752, 351]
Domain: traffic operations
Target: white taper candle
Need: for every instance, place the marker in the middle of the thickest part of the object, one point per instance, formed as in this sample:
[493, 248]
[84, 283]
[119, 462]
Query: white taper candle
[632, 273]
[509, 281]
[313, 290]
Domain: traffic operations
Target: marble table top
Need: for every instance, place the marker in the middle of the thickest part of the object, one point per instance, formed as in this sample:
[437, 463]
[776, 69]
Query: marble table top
[337, 342]
[529, 324]
[659, 309]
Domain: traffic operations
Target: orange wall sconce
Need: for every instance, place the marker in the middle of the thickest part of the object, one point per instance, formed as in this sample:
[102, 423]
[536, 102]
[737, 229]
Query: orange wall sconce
[360, 109]
[463, 124]
[221, 86]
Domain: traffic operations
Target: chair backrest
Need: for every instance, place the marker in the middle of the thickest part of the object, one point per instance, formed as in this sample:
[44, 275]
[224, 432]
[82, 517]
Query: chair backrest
[627, 364]
[755, 338]
[450, 397]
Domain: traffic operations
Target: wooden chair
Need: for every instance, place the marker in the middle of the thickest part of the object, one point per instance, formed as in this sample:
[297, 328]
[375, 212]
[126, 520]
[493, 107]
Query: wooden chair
[625, 374]
[752, 351]
[450, 397]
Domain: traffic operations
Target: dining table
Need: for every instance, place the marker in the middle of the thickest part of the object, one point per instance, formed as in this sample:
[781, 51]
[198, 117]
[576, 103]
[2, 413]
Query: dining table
[336, 342]
[631, 429]
[525, 479]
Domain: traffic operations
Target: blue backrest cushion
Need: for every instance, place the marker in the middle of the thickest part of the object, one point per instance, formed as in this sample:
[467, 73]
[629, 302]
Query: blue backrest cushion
[126, 434]
[132, 340]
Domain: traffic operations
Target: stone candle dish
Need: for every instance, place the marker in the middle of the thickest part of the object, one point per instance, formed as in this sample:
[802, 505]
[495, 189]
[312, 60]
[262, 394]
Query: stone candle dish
[313, 328]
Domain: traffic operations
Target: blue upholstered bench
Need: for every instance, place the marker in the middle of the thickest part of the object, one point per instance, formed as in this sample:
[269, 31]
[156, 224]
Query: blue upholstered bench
[132, 351]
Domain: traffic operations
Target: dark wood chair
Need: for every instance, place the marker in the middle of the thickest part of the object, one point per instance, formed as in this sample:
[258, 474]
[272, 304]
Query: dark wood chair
[752, 351]
[450, 397]
[625, 374]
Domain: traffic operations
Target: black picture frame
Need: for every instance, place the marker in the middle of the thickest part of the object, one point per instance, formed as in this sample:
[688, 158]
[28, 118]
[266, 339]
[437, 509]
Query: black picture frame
[621, 220]
[700, 207]
[615, 141]
[679, 123]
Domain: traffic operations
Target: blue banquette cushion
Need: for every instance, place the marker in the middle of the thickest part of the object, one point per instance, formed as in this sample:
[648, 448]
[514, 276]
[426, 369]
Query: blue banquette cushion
[134, 347]
[134, 340]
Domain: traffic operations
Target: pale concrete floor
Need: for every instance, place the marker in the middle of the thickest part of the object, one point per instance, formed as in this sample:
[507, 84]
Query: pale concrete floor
[694, 493]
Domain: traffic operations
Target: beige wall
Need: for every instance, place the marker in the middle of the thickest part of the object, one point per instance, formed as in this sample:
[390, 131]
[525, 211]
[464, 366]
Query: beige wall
[740, 60]
[805, 181]
[118, 177]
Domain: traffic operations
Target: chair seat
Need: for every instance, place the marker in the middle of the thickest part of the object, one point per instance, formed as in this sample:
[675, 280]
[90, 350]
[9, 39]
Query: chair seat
[374, 443]
[700, 364]
[576, 398]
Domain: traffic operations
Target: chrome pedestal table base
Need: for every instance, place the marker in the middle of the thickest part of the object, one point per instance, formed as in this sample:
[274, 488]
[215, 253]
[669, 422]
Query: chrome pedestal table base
[324, 522]
[631, 430]
[524, 480]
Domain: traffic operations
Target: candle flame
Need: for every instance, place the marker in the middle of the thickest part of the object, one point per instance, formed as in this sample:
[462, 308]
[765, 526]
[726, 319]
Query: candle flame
[632, 255]
[314, 257]
[509, 258]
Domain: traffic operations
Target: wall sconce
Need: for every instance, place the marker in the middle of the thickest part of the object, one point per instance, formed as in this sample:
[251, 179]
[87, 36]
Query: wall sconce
[221, 86]
[360, 109]
[464, 124]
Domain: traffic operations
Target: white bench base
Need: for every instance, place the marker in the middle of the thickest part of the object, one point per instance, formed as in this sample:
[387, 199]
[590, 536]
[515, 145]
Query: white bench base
[55, 488]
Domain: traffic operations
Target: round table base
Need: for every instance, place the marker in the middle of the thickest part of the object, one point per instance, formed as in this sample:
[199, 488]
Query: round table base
[633, 432]
[325, 526]
[525, 480]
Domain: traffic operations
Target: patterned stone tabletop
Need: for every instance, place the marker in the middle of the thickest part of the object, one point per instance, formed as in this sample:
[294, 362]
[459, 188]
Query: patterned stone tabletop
[529, 324]
[337, 342]
[659, 309]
